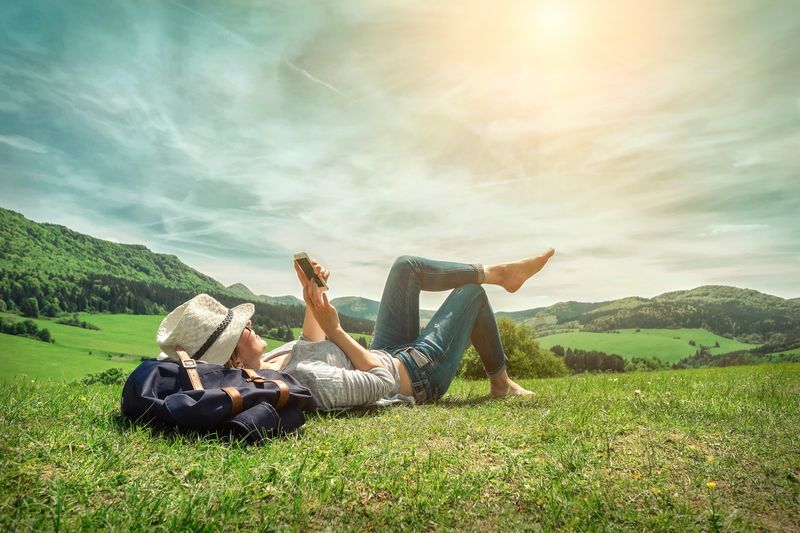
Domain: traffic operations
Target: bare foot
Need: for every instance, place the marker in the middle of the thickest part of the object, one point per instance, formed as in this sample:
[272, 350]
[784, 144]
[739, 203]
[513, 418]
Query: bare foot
[509, 388]
[513, 275]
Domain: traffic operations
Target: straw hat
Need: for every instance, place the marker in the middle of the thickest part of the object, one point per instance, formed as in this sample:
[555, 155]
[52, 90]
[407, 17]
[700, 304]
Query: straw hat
[207, 330]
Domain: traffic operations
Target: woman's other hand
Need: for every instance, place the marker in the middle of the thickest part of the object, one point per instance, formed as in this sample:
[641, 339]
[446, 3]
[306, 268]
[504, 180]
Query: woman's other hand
[317, 301]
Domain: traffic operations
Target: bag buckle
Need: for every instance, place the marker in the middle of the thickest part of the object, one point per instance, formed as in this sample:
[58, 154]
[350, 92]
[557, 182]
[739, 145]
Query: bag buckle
[189, 363]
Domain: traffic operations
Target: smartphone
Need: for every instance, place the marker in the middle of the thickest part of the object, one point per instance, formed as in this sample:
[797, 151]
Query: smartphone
[305, 265]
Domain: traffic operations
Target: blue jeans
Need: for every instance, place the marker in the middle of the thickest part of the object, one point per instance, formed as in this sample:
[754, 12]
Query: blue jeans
[433, 355]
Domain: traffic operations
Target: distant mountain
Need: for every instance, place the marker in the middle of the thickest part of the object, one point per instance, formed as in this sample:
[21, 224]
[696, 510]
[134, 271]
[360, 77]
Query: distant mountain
[242, 291]
[284, 300]
[742, 313]
[356, 306]
[365, 308]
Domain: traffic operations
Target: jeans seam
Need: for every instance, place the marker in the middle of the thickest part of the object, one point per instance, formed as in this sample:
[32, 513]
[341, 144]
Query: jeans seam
[410, 330]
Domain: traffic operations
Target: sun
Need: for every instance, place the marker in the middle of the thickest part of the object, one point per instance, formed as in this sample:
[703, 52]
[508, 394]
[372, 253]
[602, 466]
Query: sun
[550, 19]
[550, 24]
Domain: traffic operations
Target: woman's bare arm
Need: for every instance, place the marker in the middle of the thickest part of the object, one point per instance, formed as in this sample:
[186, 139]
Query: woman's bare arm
[328, 319]
[311, 329]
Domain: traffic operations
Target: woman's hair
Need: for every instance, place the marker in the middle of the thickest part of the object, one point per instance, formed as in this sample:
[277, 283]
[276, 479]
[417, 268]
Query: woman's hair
[233, 360]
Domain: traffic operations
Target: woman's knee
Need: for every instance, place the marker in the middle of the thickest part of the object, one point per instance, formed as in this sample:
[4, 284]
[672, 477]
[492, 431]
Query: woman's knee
[405, 262]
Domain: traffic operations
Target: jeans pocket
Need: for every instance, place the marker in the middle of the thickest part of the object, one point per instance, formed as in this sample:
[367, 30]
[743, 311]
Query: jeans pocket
[419, 358]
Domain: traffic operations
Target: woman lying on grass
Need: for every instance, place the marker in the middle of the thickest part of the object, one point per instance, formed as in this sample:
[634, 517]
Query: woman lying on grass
[403, 364]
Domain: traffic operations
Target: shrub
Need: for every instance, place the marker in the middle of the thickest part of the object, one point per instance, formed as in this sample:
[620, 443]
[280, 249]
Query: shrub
[645, 364]
[30, 307]
[526, 359]
[112, 376]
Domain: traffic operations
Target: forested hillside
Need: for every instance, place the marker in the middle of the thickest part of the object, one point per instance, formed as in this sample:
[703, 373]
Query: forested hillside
[49, 269]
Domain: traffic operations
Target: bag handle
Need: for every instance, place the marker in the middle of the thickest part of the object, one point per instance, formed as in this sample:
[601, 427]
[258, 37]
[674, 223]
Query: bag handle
[190, 366]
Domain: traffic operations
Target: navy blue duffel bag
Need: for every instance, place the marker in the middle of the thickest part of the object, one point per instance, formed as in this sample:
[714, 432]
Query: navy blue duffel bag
[211, 398]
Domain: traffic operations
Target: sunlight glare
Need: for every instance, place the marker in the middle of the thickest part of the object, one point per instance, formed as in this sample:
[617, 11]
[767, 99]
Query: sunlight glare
[551, 23]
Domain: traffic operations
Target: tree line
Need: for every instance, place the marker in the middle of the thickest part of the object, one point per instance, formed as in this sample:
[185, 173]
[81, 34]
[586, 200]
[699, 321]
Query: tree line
[34, 293]
[750, 322]
[25, 328]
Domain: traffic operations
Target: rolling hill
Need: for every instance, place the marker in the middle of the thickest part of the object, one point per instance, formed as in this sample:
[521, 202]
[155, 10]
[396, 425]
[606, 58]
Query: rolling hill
[744, 314]
[56, 269]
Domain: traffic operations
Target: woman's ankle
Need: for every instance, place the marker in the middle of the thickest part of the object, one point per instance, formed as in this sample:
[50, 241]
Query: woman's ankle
[493, 274]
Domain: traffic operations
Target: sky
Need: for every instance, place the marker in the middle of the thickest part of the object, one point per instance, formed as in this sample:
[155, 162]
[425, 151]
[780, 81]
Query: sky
[654, 144]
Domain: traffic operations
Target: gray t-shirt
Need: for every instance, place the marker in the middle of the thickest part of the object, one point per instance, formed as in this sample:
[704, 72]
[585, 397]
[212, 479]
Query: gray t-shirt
[326, 370]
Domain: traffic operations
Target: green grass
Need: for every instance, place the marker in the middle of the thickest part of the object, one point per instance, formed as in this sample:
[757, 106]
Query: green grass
[660, 343]
[23, 358]
[589, 453]
[121, 342]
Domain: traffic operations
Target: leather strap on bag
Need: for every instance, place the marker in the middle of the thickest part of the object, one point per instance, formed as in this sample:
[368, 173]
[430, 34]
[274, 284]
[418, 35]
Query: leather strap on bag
[190, 366]
[283, 398]
[236, 400]
[254, 376]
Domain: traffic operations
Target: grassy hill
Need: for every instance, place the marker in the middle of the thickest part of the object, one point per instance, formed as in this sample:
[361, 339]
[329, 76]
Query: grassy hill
[692, 450]
[669, 345]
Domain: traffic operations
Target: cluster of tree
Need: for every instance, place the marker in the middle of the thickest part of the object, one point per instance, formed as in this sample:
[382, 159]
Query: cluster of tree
[282, 333]
[693, 343]
[703, 358]
[768, 353]
[77, 322]
[25, 328]
[645, 364]
[34, 292]
[589, 360]
[526, 359]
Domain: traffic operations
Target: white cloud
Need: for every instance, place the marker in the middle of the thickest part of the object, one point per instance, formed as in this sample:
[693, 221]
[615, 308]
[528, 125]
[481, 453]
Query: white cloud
[23, 143]
[736, 228]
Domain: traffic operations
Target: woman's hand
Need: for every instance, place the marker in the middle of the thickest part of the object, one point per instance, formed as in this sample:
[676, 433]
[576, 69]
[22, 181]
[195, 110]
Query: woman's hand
[319, 270]
[317, 301]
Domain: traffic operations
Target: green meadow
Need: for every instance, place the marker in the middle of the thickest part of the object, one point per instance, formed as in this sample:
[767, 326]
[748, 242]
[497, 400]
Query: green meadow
[711, 449]
[669, 345]
[692, 450]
